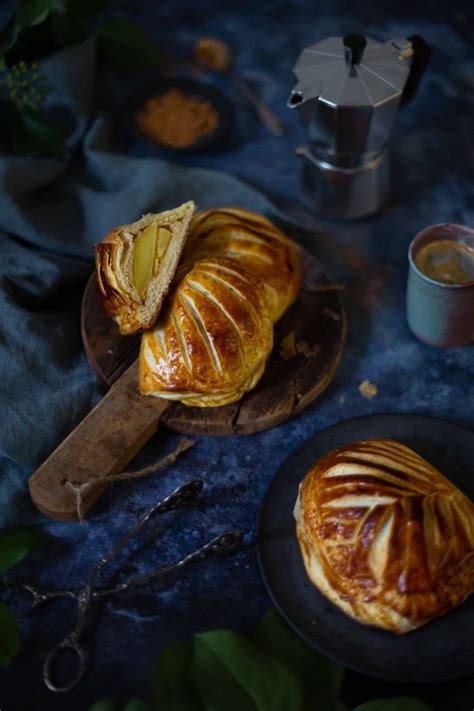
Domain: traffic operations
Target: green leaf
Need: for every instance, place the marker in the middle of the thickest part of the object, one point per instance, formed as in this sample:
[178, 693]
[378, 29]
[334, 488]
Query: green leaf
[32, 12]
[400, 703]
[320, 677]
[173, 689]
[86, 8]
[8, 35]
[112, 705]
[126, 45]
[74, 24]
[68, 32]
[16, 542]
[137, 705]
[31, 43]
[9, 635]
[26, 13]
[231, 673]
[39, 27]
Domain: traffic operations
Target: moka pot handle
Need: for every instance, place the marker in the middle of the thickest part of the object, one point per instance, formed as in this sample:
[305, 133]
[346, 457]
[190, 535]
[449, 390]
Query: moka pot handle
[421, 56]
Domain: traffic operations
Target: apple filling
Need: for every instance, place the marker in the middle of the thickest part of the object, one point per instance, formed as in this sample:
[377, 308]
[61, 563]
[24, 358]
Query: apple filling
[150, 247]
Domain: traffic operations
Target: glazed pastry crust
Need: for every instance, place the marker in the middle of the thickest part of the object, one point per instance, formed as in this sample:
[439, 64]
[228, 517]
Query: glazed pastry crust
[237, 276]
[385, 536]
[212, 341]
[255, 243]
[114, 257]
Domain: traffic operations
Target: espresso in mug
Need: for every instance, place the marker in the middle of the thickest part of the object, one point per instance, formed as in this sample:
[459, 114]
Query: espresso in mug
[447, 261]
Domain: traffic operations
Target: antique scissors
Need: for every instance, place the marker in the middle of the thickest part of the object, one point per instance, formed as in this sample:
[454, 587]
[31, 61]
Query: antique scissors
[182, 497]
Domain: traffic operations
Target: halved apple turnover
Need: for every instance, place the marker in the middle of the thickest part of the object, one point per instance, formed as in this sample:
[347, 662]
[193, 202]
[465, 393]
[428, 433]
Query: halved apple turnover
[135, 265]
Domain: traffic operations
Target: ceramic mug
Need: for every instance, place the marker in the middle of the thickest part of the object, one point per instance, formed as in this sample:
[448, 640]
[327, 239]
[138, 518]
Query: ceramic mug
[439, 313]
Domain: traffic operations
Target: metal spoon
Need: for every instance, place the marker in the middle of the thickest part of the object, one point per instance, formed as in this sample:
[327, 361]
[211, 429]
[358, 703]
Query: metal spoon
[217, 55]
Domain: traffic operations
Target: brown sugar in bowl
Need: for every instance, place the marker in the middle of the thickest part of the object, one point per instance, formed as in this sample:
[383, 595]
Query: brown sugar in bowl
[176, 119]
[182, 115]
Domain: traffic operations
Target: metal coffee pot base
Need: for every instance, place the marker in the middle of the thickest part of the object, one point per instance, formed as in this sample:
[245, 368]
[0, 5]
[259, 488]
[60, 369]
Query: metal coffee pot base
[345, 193]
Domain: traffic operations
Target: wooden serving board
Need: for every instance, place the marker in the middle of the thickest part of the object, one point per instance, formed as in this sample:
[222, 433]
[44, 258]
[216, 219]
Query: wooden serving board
[116, 429]
[286, 387]
[103, 444]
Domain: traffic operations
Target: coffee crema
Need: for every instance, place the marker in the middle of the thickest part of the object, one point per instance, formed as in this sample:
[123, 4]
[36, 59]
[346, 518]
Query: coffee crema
[447, 261]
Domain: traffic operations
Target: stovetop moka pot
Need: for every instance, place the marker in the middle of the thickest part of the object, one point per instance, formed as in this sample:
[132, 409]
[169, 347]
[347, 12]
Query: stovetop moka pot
[348, 92]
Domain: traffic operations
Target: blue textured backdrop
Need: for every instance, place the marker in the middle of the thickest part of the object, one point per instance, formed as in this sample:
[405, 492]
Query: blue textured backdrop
[432, 161]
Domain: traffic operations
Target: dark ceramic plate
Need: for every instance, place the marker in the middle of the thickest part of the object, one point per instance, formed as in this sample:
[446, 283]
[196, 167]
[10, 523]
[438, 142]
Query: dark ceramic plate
[219, 101]
[443, 649]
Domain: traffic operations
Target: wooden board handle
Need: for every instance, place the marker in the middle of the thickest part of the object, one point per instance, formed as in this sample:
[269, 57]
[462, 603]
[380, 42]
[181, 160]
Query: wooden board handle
[102, 445]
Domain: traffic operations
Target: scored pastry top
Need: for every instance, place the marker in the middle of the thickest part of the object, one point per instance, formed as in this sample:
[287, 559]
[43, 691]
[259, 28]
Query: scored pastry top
[255, 243]
[212, 340]
[237, 276]
[385, 535]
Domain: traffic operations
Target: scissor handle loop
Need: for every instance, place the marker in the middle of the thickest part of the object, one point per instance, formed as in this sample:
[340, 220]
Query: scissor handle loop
[70, 642]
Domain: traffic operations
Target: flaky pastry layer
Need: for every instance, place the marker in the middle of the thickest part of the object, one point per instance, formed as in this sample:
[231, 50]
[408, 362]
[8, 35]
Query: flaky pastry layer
[116, 271]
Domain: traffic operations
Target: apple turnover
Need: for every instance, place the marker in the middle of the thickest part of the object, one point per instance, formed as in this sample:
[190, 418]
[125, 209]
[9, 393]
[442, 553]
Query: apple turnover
[213, 338]
[135, 265]
[385, 536]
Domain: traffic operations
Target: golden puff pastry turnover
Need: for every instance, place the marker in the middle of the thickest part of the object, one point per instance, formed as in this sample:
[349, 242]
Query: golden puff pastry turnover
[254, 242]
[212, 340]
[136, 263]
[385, 536]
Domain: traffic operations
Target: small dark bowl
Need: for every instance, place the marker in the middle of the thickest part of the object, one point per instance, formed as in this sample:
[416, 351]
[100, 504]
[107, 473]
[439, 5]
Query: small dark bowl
[219, 101]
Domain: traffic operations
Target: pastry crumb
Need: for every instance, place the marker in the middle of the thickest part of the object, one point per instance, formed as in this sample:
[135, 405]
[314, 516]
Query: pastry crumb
[368, 389]
[303, 348]
[287, 346]
[326, 288]
[331, 314]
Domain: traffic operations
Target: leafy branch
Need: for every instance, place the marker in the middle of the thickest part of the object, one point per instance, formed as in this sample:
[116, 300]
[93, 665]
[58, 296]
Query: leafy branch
[36, 29]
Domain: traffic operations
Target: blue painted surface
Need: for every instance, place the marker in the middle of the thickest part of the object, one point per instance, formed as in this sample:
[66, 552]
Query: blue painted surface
[432, 161]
